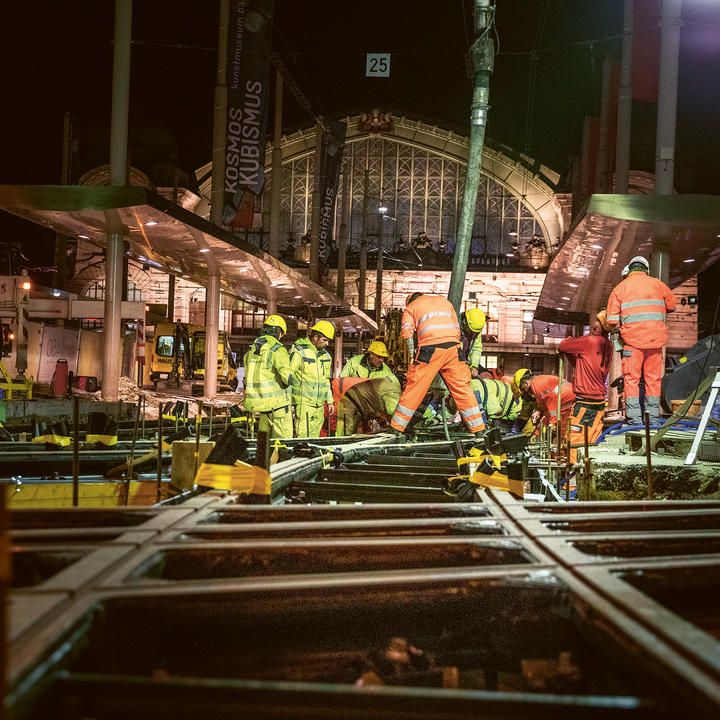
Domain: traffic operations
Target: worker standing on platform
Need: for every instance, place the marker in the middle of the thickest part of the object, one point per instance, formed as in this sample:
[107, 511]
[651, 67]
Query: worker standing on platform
[311, 364]
[639, 305]
[542, 391]
[370, 364]
[473, 322]
[436, 323]
[590, 356]
[268, 377]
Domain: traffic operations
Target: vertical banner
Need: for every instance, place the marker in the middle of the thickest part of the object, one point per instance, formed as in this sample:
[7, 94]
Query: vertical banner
[332, 155]
[248, 78]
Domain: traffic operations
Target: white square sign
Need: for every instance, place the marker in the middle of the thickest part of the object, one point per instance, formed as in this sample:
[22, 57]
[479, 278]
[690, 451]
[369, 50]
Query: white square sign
[377, 65]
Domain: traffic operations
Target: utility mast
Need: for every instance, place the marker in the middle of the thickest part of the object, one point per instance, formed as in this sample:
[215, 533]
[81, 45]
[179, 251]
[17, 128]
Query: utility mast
[482, 53]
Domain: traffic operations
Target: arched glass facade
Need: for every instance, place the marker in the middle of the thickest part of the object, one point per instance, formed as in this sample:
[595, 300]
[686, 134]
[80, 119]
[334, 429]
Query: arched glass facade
[422, 191]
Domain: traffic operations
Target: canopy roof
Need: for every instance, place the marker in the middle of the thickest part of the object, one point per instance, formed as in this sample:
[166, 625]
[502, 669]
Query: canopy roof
[165, 235]
[613, 229]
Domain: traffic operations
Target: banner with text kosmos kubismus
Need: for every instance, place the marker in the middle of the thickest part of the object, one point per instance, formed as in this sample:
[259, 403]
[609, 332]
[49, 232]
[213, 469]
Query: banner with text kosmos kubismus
[248, 77]
[332, 155]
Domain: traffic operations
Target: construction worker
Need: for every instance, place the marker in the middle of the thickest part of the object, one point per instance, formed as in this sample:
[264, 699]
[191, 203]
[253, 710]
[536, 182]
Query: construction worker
[542, 391]
[363, 400]
[473, 322]
[370, 364]
[311, 364]
[590, 357]
[436, 323]
[497, 401]
[268, 377]
[639, 305]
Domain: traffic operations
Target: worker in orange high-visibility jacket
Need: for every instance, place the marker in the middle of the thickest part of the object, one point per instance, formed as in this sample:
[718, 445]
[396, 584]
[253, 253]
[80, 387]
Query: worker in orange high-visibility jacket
[639, 305]
[542, 391]
[435, 322]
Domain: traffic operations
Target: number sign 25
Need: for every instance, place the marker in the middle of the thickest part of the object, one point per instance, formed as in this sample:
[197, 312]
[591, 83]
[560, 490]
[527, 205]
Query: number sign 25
[377, 65]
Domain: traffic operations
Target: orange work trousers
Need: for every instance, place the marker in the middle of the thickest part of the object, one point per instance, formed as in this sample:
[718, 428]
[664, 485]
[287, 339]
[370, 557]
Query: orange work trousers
[586, 414]
[431, 360]
[648, 364]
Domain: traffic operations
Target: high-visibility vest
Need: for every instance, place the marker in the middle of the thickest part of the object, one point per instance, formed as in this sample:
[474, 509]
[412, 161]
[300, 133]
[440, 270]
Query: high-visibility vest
[359, 366]
[369, 397]
[496, 398]
[267, 375]
[545, 391]
[639, 303]
[311, 368]
[434, 320]
[474, 355]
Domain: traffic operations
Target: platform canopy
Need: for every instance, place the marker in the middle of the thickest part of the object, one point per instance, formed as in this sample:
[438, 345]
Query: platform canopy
[166, 236]
[612, 230]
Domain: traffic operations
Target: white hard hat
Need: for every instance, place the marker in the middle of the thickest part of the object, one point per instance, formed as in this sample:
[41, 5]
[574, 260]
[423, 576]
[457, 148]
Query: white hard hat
[624, 272]
[639, 260]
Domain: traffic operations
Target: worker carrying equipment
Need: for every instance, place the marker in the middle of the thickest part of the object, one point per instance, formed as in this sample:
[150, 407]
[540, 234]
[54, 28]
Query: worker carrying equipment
[473, 322]
[590, 357]
[438, 331]
[542, 391]
[362, 400]
[639, 305]
[268, 377]
[311, 365]
[369, 364]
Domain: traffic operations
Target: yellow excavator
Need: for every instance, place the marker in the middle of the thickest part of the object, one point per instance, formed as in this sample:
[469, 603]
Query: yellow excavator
[178, 352]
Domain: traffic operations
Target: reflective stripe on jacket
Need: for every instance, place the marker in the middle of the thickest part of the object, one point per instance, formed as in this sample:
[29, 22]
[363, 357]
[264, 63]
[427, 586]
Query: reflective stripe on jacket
[639, 304]
[311, 368]
[267, 375]
[359, 366]
[434, 320]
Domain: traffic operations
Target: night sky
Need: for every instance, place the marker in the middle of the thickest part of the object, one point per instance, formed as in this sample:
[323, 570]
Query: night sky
[61, 59]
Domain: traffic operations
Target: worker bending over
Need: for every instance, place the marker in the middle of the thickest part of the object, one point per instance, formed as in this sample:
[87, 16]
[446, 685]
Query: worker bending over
[268, 377]
[364, 400]
[311, 364]
[370, 364]
[499, 405]
[473, 322]
[542, 391]
[436, 323]
[590, 357]
[639, 305]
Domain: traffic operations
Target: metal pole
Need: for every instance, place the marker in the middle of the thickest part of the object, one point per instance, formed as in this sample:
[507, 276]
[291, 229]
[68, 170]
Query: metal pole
[482, 52]
[76, 452]
[624, 112]
[118, 177]
[602, 174]
[648, 455]
[558, 419]
[158, 493]
[198, 422]
[379, 274]
[343, 234]
[171, 298]
[316, 203]
[362, 276]
[670, 22]
[131, 461]
[212, 321]
[276, 187]
[219, 119]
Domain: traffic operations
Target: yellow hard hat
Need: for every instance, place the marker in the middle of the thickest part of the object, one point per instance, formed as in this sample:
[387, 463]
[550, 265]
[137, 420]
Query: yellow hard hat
[475, 319]
[517, 379]
[377, 347]
[276, 321]
[324, 328]
[602, 319]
